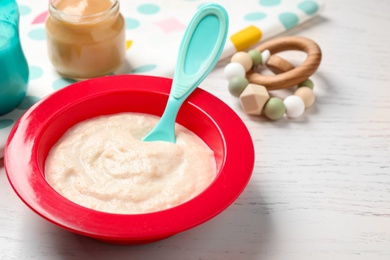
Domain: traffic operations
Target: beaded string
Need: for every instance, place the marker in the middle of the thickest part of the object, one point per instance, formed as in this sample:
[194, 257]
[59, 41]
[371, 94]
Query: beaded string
[255, 98]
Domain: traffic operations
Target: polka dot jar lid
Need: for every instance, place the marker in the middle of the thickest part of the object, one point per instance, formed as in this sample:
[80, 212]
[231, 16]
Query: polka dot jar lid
[150, 28]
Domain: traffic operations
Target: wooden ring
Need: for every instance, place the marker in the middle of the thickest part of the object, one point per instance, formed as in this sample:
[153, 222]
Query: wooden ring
[291, 76]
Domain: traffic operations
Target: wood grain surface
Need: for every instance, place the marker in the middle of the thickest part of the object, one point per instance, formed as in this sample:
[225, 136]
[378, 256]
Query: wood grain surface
[321, 185]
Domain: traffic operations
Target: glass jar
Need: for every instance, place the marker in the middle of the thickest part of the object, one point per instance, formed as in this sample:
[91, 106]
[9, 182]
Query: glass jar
[85, 38]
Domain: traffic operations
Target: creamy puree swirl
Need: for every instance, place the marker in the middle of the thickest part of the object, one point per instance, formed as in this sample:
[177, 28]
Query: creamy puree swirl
[102, 164]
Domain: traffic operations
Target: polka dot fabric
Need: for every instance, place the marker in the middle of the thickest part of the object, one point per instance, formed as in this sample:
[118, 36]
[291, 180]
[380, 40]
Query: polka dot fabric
[152, 26]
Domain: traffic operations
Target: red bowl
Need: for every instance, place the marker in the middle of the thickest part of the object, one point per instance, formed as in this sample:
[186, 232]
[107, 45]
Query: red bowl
[43, 124]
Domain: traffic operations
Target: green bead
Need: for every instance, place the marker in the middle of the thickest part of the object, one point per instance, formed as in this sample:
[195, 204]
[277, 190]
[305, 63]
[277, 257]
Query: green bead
[307, 83]
[237, 85]
[256, 57]
[274, 109]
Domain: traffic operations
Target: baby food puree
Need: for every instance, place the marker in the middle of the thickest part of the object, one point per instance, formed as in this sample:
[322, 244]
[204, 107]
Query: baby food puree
[101, 163]
[85, 38]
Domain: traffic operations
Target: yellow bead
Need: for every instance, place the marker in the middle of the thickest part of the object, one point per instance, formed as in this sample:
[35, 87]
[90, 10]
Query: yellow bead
[307, 95]
[244, 59]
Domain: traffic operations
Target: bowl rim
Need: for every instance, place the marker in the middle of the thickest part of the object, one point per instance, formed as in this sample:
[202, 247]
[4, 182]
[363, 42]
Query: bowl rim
[28, 180]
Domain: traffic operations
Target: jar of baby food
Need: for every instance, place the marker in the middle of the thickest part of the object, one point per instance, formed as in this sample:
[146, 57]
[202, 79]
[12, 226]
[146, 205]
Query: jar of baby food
[85, 38]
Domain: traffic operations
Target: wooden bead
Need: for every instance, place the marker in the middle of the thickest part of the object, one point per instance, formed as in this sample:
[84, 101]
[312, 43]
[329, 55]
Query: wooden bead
[244, 59]
[306, 94]
[253, 99]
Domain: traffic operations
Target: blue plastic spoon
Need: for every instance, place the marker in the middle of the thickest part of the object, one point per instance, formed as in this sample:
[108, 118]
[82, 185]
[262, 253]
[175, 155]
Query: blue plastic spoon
[199, 51]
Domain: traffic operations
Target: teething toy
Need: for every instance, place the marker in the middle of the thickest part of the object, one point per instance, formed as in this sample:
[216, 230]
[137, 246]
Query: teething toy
[252, 88]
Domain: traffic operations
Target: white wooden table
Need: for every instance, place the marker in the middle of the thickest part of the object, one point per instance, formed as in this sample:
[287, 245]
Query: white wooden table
[321, 184]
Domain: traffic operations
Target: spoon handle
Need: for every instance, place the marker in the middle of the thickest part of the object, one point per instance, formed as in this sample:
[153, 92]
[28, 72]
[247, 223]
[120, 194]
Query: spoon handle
[200, 49]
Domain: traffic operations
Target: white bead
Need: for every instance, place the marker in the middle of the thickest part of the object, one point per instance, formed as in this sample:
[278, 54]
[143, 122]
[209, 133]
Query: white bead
[234, 69]
[294, 106]
[265, 57]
